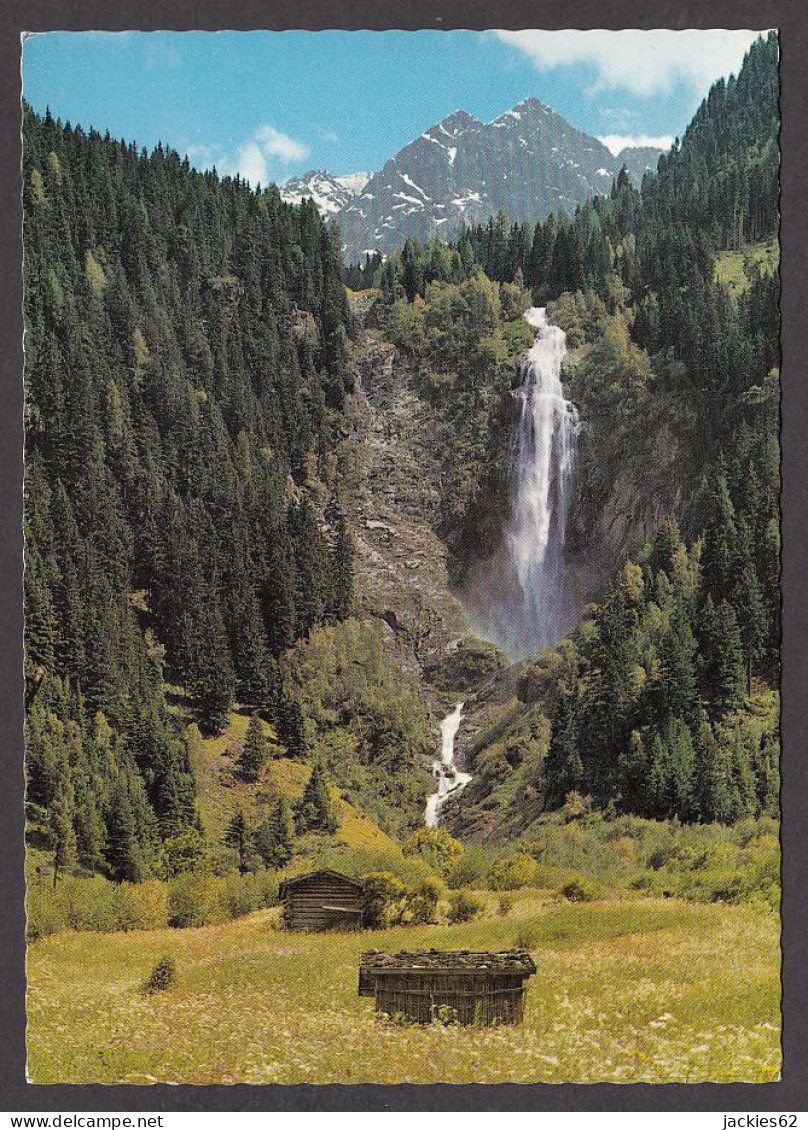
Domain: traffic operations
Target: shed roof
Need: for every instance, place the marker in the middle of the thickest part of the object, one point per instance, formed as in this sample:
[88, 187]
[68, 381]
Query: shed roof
[456, 961]
[324, 873]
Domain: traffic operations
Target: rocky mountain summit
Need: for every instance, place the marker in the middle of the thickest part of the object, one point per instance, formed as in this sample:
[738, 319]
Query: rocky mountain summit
[527, 163]
[328, 192]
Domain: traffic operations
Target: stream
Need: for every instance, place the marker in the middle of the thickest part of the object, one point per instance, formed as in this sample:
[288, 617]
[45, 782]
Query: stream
[450, 779]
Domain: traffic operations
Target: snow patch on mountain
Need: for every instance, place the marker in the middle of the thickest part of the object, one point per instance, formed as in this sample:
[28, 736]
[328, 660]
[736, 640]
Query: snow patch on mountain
[330, 193]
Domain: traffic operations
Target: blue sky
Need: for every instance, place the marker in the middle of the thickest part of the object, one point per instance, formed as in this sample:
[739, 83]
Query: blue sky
[271, 105]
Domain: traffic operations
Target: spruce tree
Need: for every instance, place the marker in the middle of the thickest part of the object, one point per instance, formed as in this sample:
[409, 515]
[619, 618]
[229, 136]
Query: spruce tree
[274, 836]
[314, 812]
[123, 850]
[63, 834]
[238, 836]
[563, 768]
[253, 754]
[291, 727]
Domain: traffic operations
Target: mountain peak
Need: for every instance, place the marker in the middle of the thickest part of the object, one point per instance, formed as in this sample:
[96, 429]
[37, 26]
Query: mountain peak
[533, 103]
[527, 163]
[329, 193]
[453, 124]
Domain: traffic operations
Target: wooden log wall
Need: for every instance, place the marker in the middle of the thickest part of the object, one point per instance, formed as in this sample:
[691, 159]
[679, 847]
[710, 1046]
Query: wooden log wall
[322, 903]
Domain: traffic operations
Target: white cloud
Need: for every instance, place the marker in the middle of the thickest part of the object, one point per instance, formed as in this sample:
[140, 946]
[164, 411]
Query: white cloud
[252, 164]
[202, 156]
[276, 144]
[615, 142]
[642, 62]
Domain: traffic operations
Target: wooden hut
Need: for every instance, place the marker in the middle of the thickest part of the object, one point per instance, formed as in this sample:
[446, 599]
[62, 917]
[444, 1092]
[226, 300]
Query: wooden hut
[467, 987]
[322, 900]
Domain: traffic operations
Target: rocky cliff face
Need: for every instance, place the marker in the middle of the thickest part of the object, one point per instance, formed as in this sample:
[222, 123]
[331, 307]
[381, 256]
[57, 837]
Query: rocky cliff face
[400, 563]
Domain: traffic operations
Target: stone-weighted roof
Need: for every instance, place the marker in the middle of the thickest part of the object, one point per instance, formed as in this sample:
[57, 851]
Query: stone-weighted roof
[445, 961]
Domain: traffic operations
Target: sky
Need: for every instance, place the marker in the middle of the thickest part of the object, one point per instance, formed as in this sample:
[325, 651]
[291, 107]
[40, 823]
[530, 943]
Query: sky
[271, 105]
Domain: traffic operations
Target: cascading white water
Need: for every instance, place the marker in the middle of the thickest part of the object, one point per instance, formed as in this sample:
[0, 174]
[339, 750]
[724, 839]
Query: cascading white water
[450, 779]
[520, 597]
[546, 450]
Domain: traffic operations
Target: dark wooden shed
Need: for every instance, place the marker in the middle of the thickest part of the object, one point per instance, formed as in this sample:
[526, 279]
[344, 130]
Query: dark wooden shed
[479, 988]
[322, 900]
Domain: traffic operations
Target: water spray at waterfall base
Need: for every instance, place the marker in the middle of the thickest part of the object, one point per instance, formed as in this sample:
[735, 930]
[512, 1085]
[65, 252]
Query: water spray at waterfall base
[519, 598]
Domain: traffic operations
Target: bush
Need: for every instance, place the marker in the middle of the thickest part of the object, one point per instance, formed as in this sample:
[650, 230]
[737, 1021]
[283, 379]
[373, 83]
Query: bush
[444, 1014]
[90, 904]
[422, 903]
[505, 906]
[384, 899]
[472, 869]
[186, 852]
[579, 889]
[576, 807]
[192, 900]
[528, 935]
[45, 912]
[436, 846]
[141, 906]
[463, 906]
[519, 870]
[162, 977]
[237, 895]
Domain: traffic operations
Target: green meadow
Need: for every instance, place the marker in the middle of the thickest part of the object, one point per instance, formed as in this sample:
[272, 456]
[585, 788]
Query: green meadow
[627, 990]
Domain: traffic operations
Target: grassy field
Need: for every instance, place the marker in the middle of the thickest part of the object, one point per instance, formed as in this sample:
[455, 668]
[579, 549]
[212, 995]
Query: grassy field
[626, 990]
[737, 269]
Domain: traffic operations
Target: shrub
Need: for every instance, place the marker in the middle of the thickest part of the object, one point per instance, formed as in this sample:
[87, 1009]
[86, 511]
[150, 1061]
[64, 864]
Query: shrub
[505, 906]
[192, 900]
[579, 889]
[45, 913]
[519, 870]
[162, 977]
[436, 846]
[237, 895]
[384, 899]
[186, 852]
[89, 903]
[471, 869]
[527, 936]
[422, 902]
[463, 906]
[576, 807]
[141, 906]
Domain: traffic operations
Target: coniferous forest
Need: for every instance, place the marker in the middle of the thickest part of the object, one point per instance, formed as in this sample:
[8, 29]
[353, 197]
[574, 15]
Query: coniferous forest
[192, 514]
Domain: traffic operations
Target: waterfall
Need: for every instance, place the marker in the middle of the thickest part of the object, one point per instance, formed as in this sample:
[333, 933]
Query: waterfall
[519, 597]
[449, 778]
[545, 462]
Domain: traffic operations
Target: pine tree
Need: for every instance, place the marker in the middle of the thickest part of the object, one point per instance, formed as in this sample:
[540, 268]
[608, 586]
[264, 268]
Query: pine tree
[342, 572]
[314, 811]
[238, 836]
[254, 752]
[274, 836]
[124, 854]
[291, 727]
[63, 834]
[723, 668]
[563, 768]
